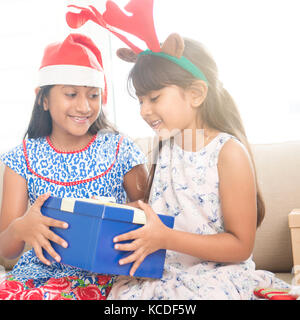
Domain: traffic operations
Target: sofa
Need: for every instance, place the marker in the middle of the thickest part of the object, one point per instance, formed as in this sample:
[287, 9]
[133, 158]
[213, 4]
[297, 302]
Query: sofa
[278, 172]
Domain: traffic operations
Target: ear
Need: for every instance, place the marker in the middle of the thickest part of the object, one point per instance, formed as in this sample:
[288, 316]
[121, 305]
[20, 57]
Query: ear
[173, 46]
[197, 93]
[102, 97]
[45, 103]
[127, 55]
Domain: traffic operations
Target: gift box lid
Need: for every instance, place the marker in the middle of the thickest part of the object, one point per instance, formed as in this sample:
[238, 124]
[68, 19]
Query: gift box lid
[294, 218]
[101, 208]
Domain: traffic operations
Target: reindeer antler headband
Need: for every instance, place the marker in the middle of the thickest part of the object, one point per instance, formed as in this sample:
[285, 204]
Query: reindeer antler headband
[139, 24]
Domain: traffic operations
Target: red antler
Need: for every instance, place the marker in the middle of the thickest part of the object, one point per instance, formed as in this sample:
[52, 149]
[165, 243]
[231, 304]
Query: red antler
[76, 20]
[139, 24]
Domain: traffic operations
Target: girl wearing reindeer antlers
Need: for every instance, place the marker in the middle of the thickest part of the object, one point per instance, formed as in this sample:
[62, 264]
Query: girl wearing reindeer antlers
[204, 175]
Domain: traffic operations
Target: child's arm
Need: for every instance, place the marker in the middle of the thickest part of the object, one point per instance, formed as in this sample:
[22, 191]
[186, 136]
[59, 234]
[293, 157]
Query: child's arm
[135, 182]
[238, 199]
[14, 204]
[19, 225]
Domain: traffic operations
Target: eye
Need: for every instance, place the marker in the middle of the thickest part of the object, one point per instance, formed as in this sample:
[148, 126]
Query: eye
[154, 99]
[140, 101]
[94, 95]
[71, 94]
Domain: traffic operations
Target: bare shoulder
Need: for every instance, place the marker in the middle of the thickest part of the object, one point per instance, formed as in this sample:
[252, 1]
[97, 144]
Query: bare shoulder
[14, 198]
[234, 155]
[10, 175]
[233, 150]
[14, 186]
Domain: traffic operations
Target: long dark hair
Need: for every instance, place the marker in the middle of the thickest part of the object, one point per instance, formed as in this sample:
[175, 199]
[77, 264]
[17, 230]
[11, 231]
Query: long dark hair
[218, 111]
[40, 124]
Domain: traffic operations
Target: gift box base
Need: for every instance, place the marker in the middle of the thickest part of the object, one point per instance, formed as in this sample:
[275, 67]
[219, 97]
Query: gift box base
[92, 228]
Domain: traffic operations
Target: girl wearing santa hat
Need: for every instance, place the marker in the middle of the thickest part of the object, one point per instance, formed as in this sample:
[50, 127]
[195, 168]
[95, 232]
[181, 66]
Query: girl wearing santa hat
[70, 150]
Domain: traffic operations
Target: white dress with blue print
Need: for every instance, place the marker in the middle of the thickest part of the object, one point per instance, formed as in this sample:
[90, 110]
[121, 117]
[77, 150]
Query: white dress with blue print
[97, 170]
[186, 186]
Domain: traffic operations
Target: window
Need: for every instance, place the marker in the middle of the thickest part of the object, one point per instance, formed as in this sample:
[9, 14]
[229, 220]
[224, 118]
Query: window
[255, 44]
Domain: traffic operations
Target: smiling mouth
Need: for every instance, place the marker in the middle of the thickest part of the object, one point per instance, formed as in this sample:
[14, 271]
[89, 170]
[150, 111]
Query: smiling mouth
[79, 119]
[155, 124]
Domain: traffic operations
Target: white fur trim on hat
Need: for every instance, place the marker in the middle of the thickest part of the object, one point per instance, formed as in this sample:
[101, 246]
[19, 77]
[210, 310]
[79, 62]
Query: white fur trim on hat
[70, 75]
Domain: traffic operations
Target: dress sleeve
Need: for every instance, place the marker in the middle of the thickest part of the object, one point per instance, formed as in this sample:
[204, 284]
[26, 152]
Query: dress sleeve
[15, 160]
[130, 155]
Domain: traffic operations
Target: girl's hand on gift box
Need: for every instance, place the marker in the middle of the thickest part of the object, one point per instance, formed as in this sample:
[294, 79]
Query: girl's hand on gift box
[134, 204]
[147, 239]
[33, 228]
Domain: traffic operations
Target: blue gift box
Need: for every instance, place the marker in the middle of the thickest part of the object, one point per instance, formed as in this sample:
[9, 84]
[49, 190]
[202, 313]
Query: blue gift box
[92, 227]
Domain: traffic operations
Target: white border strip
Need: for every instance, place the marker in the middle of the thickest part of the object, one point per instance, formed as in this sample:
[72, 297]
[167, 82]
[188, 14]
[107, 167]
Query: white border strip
[139, 216]
[67, 204]
[70, 75]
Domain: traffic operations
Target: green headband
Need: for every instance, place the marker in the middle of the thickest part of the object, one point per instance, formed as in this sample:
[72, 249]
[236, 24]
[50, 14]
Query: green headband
[183, 62]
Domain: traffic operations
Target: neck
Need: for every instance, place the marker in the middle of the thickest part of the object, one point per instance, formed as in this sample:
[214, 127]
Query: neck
[194, 139]
[69, 143]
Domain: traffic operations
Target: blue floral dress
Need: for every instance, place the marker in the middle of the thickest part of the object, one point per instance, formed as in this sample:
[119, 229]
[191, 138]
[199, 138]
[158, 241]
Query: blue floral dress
[186, 186]
[96, 170]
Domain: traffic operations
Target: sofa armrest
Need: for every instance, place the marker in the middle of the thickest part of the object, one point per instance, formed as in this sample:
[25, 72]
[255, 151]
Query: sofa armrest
[294, 225]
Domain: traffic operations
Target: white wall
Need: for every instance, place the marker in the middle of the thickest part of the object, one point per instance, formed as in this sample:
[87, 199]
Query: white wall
[255, 44]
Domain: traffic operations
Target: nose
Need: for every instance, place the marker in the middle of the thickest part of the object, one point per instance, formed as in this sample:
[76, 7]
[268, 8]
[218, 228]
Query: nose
[82, 104]
[146, 109]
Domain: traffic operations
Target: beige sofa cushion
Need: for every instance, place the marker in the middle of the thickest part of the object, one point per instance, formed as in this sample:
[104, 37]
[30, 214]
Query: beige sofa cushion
[278, 170]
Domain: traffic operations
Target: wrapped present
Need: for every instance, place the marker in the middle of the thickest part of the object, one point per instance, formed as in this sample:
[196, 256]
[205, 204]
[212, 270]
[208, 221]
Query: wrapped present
[294, 225]
[92, 226]
[274, 294]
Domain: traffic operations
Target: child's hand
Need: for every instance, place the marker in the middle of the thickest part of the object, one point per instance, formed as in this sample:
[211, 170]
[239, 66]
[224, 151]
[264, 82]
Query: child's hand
[33, 228]
[134, 204]
[146, 239]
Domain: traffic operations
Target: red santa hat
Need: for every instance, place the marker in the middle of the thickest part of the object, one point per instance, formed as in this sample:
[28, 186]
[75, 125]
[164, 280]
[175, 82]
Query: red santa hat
[75, 61]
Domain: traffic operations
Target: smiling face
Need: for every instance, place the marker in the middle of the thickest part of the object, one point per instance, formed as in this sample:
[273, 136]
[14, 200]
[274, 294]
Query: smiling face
[73, 109]
[169, 111]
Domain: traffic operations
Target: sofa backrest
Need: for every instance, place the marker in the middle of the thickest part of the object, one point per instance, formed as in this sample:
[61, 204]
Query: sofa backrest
[278, 172]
